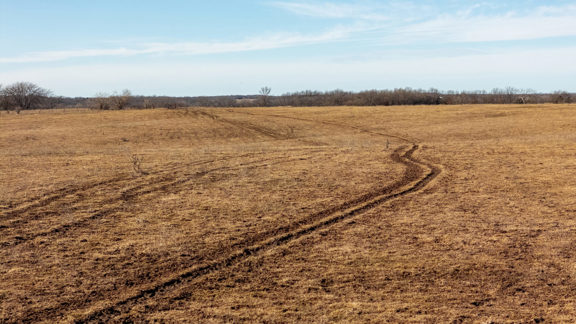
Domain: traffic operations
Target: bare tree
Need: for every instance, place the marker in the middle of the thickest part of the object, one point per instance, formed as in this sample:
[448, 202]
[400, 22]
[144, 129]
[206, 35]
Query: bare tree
[121, 100]
[336, 97]
[264, 95]
[148, 104]
[25, 95]
[561, 97]
[101, 101]
[4, 105]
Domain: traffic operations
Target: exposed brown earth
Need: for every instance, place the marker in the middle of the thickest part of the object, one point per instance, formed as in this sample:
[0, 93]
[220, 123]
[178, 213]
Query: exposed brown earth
[401, 214]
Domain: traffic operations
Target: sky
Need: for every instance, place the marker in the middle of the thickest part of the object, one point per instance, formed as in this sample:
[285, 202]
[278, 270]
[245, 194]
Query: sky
[195, 48]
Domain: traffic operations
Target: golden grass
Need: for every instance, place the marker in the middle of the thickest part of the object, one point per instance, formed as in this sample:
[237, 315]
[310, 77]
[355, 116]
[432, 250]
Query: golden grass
[492, 239]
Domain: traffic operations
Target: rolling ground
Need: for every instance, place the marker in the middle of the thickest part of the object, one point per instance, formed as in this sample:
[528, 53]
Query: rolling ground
[399, 214]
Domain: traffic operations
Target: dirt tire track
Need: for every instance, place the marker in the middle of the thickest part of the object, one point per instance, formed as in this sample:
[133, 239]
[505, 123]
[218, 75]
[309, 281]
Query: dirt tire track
[19, 210]
[49, 197]
[42, 201]
[45, 199]
[358, 128]
[168, 184]
[262, 130]
[50, 313]
[239, 252]
[412, 181]
[16, 208]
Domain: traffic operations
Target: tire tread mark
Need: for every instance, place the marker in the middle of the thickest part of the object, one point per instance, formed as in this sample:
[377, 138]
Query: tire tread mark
[263, 130]
[358, 128]
[131, 194]
[119, 307]
[17, 208]
[21, 208]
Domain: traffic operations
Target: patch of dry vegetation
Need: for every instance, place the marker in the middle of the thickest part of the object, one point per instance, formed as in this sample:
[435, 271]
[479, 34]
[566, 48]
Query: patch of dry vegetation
[490, 240]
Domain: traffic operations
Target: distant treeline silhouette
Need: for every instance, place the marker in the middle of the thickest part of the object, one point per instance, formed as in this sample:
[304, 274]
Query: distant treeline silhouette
[42, 99]
[396, 97]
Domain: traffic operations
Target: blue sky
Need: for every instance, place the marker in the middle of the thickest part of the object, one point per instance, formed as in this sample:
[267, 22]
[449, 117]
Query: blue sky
[176, 47]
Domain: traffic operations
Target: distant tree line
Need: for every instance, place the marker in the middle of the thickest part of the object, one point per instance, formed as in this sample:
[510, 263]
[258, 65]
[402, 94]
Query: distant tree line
[408, 96]
[404, 96]
[25, 95]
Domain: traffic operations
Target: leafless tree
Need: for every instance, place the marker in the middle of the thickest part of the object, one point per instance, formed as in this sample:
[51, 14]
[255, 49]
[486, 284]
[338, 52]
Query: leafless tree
[25, 95]
[148, 104]
[336, 97]
[121, 100]
[264, 95]
[3, 100]
[561, 97]
[101, 101]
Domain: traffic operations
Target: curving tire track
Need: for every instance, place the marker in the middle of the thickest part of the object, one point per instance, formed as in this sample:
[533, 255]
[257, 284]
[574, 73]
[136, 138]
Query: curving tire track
[168, 184]
[417, 176]
[16, 209]
[31, 209]
[268, 132]
[323, 122]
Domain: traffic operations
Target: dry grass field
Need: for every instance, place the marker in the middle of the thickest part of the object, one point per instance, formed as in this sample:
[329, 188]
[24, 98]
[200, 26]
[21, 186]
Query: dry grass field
[348, 214]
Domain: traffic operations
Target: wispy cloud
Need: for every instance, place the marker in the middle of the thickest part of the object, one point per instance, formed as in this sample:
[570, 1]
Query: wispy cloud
[407, 22]
[189, 48]
[506, 27]
[388, 24]
[507, 67]
[331, 10]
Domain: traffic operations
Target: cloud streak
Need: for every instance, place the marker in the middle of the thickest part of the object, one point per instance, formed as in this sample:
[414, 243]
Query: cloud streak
[385, 25]
[188, 48]
[409, 23]
[330, 10]
[487, 29]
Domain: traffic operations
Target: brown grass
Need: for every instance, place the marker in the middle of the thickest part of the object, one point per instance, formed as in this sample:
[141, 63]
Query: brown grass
[289, 214]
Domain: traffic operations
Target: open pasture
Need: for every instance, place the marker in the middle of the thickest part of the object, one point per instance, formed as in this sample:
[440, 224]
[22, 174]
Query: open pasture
[366, 214]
